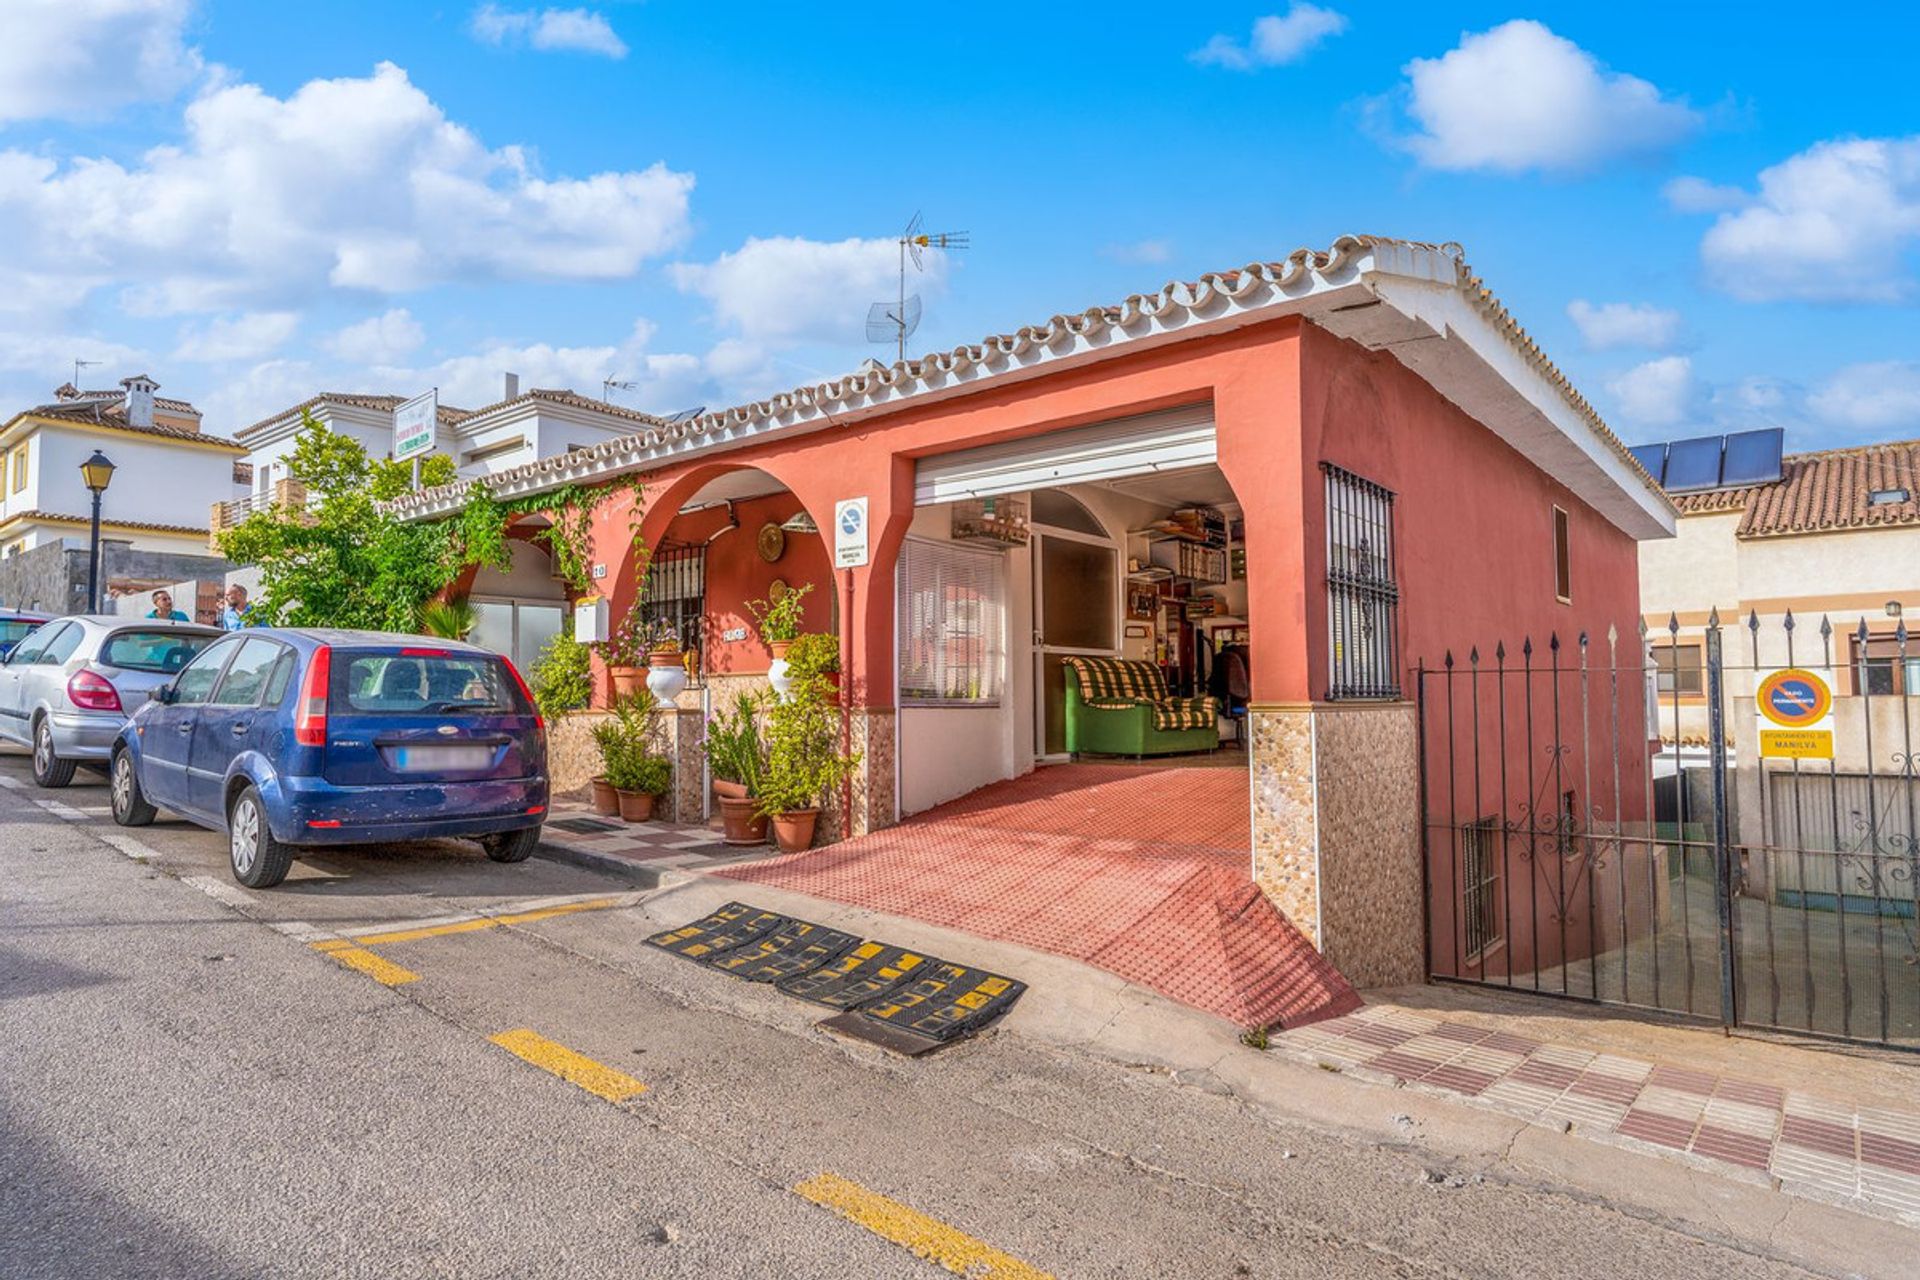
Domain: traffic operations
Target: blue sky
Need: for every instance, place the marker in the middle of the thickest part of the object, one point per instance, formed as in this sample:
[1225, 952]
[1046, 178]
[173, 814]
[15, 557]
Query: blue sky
[1709, 214]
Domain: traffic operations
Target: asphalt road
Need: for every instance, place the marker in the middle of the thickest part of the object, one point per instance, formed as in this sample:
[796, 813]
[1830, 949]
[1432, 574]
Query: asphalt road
[190, 1087]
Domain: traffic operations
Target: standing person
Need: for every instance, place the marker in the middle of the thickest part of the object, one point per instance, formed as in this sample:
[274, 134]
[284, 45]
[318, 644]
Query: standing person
[235, 617]
[163, 608]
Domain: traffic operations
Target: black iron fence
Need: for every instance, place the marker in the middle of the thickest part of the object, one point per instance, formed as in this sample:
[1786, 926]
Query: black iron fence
[1619, 820]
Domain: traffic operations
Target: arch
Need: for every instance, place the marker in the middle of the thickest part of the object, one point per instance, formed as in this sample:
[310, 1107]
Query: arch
[1061, 510]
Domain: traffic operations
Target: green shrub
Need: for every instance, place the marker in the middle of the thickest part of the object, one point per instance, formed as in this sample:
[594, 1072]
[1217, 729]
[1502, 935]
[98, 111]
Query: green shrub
[734, 750]
[803, 760]
[562, 676]
[813, 654]
[780, 620]
[448, 619]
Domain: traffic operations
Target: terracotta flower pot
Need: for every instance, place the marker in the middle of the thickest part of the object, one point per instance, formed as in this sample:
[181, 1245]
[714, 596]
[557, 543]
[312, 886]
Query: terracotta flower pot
[729, 790]
[741, 825]
[636, 806]
[663, 657]
[627, 681]
[605, 799]
[778, 648]
[793, 830]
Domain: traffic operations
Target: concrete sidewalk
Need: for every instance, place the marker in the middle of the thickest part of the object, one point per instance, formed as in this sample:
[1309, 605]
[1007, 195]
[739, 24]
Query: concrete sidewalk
[1853, 1223]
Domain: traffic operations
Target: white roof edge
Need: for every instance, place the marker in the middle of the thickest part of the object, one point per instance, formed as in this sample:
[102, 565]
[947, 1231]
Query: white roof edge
[1592, 461]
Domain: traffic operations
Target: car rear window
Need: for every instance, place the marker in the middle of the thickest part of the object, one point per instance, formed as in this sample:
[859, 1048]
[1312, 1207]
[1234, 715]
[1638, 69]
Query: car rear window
[163, 651]
[425, 683]
[14, 630]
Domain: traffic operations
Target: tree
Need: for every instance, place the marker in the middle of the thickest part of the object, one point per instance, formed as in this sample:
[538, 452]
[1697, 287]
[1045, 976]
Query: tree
[342, 560]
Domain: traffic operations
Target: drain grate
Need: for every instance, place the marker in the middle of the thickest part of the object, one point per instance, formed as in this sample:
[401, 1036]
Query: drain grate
[584, 826]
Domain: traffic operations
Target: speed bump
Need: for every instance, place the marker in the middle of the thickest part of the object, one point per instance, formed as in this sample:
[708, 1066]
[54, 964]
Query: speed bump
[733, 925]
[945, 1001]
[870, 970]
[790, 948]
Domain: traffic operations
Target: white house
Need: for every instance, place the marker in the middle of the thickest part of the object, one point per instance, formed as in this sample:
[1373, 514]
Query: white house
[167, 469]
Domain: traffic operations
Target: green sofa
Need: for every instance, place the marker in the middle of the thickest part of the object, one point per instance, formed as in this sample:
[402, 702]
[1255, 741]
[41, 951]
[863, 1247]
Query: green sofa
[1120, 707]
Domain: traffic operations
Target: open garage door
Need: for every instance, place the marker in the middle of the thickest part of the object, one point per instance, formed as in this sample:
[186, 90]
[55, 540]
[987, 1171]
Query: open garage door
[1168, 440]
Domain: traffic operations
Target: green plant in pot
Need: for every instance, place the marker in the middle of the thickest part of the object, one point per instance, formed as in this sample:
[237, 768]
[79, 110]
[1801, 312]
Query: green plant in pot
[804, 763]
[779, 620]
[737, 758]
[622, 740]
[639, 779]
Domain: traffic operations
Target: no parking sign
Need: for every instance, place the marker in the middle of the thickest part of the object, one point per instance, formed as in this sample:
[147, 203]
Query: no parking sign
[1796, 715]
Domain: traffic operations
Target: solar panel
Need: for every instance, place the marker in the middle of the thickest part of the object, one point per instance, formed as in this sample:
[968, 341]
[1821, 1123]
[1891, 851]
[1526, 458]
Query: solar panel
[1753, 457]
[1653, 457]
[1693, 464]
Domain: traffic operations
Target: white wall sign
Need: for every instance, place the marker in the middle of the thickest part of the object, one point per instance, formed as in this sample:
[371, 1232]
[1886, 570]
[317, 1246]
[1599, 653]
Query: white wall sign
[590, 620]
[849, 533]
[413, 425]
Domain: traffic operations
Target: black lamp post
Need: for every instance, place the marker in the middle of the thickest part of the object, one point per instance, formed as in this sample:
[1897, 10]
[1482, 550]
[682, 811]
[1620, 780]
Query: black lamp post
[97, 472]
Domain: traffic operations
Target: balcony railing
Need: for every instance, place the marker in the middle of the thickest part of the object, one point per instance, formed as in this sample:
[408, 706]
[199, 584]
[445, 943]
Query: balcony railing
[225, 515]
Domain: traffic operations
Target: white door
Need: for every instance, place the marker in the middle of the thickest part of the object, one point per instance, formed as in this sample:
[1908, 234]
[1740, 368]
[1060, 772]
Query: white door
[1077, 586]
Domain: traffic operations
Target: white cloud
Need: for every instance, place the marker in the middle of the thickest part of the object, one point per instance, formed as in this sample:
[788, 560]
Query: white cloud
[1519, 97]
[1876, 396]
[84, 58]
[1277, 39]
[352, 183]
[247, 336]
[1696, 195]
[786, 290]
[1141, 252]
[1612, 325]
[1838, 222]
[384, 339]
[549, 30]
[1659, 393]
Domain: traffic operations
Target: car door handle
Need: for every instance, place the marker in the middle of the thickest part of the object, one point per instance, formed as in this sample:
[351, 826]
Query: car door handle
[241, 726]
[185, 726]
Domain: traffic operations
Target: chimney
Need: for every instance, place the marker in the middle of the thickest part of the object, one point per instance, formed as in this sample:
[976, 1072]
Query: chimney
[510, 387]
[140, 389]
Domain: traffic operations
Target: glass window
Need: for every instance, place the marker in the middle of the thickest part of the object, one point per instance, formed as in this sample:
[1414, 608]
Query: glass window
[952, 624]
[417, 683]
[246, 677]
[1562, 557]
[20, 469]
[279, 678]
[161, 650]
[1884, 667]
[28, 650]
[62, 645]
[1679, 669]
[196, 682]
[14, 630]
[1363, 590]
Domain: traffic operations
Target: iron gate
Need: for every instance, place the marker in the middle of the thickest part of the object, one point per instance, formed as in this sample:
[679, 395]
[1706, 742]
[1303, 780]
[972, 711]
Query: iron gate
[1599, 824]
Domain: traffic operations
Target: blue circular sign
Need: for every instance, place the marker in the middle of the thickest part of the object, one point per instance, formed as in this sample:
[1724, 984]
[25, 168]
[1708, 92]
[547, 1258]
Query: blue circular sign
[850, 521]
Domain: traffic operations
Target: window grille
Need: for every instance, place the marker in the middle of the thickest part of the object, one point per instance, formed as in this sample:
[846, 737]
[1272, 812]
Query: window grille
[675, 592]
[951, 616]
[1480, 884]
[1363, 596]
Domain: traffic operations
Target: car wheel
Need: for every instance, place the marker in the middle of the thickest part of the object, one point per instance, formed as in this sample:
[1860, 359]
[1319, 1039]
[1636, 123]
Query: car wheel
[49, 770]
[258, 860]
[130, 807]
[513, 846]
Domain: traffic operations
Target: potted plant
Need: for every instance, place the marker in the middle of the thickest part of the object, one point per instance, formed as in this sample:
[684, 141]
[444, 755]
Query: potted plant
[609, 737]
[625, 653]
[779, 626]
[738, 760]
[803, 762]
[814, 654]
[622, 740]
[666, 668]
[639, 779]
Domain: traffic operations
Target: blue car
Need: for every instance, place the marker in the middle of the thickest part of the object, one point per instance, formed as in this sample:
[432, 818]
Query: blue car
[286, 738]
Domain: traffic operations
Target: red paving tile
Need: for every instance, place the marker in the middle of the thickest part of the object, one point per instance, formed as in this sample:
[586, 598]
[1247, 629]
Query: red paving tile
[1733, 1146]
[1651, 1126]
[1817, 1135]
[1141, 871]
[1889, 1152]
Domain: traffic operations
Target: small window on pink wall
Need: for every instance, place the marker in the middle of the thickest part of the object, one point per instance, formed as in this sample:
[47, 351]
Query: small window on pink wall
[1562, 558]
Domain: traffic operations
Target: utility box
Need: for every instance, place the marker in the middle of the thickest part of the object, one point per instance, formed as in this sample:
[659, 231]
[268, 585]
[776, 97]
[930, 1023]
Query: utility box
[590, 620]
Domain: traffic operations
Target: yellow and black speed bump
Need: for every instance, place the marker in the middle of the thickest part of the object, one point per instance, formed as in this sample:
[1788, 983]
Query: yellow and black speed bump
[790, 948]
[734, 925]
[870, 970]
[946, 1000]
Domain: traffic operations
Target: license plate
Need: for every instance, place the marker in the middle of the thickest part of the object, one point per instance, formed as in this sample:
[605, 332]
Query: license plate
[441, 759]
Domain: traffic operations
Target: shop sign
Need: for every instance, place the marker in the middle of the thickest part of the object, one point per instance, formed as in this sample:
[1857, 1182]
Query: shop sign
[413, 424]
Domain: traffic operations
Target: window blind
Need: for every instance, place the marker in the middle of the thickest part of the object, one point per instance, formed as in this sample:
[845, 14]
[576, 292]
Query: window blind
[951, 624]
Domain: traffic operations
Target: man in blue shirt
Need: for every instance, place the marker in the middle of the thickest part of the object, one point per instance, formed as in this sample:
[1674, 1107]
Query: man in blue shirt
[235, 616]
[163, 608]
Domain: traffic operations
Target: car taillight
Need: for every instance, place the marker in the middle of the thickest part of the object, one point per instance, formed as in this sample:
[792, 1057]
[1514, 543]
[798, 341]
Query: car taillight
[91, 692]
[539, 721]
[310, 719]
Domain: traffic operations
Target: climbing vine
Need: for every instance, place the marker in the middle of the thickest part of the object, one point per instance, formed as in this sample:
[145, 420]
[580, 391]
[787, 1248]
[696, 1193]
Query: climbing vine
[482, 525]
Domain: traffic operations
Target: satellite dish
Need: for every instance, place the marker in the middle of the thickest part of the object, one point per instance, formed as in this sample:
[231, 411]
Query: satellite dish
[893, 321]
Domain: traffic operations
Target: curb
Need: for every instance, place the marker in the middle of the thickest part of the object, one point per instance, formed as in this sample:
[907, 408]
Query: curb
[641, 874]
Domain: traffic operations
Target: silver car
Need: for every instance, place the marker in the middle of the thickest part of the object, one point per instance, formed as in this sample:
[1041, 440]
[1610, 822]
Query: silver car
[66, 688]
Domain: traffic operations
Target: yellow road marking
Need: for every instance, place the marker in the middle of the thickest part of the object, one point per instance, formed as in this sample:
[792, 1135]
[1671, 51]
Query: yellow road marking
[925, 1237]
[575, 1068]
[484, 922]
[380, 969]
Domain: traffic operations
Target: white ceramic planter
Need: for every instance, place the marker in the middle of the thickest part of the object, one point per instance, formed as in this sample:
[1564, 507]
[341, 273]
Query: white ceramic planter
[666, 682]
[780, 678]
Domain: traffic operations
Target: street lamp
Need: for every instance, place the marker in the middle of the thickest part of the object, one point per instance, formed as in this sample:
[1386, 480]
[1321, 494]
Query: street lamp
[97, 473]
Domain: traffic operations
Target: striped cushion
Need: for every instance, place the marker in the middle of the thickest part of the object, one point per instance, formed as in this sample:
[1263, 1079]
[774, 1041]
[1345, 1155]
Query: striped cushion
[1118, 680]
[1186, 713]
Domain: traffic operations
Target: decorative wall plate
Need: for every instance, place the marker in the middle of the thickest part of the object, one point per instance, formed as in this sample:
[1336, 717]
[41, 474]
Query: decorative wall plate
[771, 542]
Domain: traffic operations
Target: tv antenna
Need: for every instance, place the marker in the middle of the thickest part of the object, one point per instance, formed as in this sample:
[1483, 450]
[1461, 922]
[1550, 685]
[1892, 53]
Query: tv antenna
[895, 321]
[78, 365]
[609, 385]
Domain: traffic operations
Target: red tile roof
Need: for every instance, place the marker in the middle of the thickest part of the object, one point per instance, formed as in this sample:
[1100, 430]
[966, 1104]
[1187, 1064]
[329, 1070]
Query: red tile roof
[113, 417]
[56, 517]
[1822, 492]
